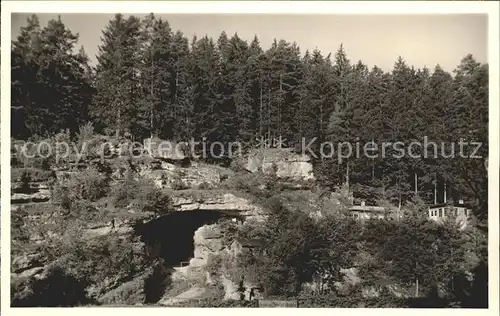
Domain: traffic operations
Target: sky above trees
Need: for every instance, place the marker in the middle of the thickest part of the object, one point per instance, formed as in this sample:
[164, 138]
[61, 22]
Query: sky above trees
[423, 40]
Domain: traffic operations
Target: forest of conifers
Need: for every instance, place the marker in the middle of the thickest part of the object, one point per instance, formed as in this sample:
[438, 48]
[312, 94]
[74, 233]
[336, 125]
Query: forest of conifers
[152, 80]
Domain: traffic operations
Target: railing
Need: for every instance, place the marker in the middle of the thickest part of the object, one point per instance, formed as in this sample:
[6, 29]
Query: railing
[183, 264]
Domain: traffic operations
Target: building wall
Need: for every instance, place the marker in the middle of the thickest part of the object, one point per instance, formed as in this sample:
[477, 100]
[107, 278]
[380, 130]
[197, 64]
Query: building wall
[366, 215]
[443, 212]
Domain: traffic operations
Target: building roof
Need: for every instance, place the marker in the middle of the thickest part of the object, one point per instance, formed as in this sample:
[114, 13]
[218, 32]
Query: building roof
[365, 208]
[249, 242]
[448, 205]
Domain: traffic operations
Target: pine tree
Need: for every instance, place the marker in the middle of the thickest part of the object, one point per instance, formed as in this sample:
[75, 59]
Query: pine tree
[51, 82]
[117, 76]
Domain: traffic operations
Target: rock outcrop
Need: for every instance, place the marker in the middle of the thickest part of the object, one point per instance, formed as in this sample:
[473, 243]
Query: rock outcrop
[172, 176]
[284, 163]
[223, 202]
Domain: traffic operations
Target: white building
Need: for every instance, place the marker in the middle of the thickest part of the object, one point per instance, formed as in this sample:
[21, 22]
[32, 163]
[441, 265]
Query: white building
[440, 212]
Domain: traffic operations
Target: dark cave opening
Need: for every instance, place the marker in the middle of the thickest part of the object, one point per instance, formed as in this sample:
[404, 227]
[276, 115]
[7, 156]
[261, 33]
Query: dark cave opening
[171, 237]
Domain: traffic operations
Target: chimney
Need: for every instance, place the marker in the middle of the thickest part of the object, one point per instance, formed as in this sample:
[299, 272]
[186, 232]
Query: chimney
[362, 203]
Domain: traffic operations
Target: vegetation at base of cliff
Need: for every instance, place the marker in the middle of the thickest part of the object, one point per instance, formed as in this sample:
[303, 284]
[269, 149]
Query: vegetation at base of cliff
[32, 174]
[83, 263]
[217, 303]
[424, 262]
[57, 289]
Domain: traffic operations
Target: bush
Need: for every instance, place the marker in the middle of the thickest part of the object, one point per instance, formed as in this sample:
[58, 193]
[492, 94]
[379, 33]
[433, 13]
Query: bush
[177, 184]
[93, 185]
[204, 186]
[125, 192]
[61, 197]
[84, 210]
[57, 289]
[94, 260]
[157, 202]
[144, 193]
[25, 180]
[213, 302]
[214, 264]
[86, 133]
[88, 185]
[34, 175]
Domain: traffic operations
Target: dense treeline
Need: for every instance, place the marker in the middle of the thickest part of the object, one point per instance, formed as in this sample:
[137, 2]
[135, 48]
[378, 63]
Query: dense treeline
[153, 81]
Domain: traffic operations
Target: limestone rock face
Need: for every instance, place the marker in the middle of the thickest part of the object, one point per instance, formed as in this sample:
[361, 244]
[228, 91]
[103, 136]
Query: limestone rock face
[284, 163]
[36, 192]
[26, 262]
[29, 266]
[223, 202]
[171, 176]
[207, 241]
[135, 290]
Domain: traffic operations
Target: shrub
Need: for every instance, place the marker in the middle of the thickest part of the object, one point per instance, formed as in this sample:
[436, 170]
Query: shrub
[125, 192]
[144, 192]
[84, 210]
[177, 184]
[214, 264]
[89, 185]
[61, 197]
[86, 133]
[34, 175]
[213, 302]
[57, 289]
[96, 259]
[25, 180]
[204, 186]
[157, 202]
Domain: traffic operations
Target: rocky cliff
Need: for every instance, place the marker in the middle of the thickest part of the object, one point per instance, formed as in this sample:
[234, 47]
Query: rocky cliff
[46, 236]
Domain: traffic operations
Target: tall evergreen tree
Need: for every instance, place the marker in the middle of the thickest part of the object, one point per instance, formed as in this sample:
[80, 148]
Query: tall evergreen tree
[115, 105]
[51, 82]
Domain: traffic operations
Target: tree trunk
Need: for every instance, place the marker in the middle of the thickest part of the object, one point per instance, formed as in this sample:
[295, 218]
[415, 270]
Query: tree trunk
[435, 189]
[416, 184]
[279, 106]
[416, 287]
[260, 112]
[373, 169]
[118, 121]
[269, 114]
[347, 178]
[151, 118]
[444, 191]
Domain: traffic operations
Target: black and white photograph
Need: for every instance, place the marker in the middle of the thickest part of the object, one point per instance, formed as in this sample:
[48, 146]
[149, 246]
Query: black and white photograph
[333, 160]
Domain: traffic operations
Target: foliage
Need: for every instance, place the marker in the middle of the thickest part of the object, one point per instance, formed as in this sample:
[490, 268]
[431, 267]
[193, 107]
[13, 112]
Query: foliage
[58, 289]
[214, 303]
[157, 202]
[87, 185]
[126, 191]
[51, 85]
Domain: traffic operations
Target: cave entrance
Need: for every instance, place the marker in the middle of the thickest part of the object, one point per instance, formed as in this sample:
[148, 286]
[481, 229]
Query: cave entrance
[171, 237]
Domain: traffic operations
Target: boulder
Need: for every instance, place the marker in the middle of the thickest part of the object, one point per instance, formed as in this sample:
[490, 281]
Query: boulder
[283, 163]
[222, 202]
